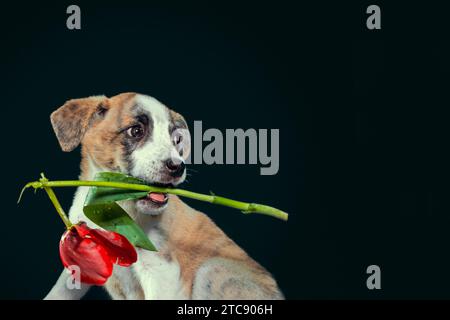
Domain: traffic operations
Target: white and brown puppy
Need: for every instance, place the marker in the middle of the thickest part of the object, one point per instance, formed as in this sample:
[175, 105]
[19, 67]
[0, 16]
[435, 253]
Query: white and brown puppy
[132, 134]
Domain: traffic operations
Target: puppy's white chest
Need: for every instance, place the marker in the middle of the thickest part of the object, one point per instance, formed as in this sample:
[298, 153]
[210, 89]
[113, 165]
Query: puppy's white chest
[160, 279]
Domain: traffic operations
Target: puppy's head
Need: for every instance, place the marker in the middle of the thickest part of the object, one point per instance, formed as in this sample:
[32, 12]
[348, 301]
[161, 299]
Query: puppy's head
[129, 133]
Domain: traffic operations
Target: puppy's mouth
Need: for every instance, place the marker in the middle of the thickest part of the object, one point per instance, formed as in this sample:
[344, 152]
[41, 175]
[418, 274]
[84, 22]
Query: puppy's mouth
[155, 202]
[157, 199]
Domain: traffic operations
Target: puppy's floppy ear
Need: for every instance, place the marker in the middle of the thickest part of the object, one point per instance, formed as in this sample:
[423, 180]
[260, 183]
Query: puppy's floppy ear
[71, 121]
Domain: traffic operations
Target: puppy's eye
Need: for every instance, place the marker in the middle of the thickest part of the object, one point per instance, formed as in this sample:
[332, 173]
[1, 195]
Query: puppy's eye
[136, 131]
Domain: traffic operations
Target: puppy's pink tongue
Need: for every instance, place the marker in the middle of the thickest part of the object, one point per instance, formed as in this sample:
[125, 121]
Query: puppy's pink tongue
[157, 197]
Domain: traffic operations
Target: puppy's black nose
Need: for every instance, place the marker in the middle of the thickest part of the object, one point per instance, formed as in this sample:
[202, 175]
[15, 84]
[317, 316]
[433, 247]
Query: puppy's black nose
[176, 169]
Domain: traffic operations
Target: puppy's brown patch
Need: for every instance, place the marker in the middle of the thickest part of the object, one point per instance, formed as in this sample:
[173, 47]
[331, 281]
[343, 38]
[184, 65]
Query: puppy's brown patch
[103, 142]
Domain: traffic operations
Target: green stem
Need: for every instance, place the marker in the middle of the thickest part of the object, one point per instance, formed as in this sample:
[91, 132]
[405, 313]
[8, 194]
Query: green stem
[58, 207]
[243, 206]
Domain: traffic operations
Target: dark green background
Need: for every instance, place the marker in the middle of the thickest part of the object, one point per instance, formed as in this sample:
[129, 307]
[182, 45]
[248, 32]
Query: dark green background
[363, 118]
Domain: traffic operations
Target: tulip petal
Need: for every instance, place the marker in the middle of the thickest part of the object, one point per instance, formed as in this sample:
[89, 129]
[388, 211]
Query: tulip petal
[93, 260]
[121, 251]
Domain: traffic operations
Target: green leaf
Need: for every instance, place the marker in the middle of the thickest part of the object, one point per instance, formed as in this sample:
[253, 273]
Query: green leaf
[102, 209]
[111, 216]
[98, 195]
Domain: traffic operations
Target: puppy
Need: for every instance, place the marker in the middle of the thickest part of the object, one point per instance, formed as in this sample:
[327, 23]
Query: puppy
[133, 134]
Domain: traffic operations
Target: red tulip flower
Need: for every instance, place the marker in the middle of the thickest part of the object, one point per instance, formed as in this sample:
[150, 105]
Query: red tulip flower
[95, 252]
